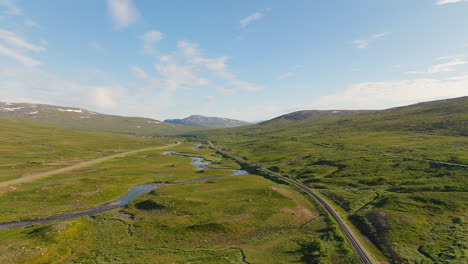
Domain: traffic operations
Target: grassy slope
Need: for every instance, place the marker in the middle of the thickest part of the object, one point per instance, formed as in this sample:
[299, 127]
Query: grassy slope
[91, 121]
[29, 147]
[206, 222]
[123, 125]
[406, 207]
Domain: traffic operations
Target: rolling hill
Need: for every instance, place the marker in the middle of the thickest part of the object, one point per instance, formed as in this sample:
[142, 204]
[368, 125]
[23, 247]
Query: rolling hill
[30, 147]
[77, 118]
[397, 174]
[319, 114]
[207, 121]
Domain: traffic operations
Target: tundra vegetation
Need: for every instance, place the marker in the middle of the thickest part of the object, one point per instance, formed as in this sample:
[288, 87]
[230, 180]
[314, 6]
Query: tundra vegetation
[400, 175]
[235, 219]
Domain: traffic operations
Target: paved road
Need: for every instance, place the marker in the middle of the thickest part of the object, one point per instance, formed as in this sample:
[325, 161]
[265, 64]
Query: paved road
[357, 247]
[79, 165]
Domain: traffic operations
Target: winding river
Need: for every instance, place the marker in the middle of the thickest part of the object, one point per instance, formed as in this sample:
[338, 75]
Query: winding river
[125, 199]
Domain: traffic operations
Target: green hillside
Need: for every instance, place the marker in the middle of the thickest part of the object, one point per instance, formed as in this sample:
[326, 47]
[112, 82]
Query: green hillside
[399, 175]
[77, 118]
[31, 147]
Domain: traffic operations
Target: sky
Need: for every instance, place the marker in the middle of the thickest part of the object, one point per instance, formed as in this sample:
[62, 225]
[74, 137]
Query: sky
[246, 59]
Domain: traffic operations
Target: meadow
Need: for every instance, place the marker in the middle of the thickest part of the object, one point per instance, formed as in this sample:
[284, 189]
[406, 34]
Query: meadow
[28, 147]
[400, 176]
[236, 219]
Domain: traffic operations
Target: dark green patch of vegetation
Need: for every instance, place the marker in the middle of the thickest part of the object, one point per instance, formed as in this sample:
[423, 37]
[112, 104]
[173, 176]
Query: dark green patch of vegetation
[399, 174]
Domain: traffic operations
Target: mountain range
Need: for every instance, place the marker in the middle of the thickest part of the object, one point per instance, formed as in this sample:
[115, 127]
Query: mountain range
[208, 121]
[78, 118]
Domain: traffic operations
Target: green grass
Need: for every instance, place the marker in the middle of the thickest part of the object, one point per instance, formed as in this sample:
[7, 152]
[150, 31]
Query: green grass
[205, 222]
[376, 168]
[94, 185]
[381, 169]
[28, 147]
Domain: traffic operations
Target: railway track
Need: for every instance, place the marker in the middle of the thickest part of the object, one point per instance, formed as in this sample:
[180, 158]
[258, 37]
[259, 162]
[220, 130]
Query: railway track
[355, 245]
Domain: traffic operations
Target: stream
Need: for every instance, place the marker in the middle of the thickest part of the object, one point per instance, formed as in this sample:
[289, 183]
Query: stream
[126, 198]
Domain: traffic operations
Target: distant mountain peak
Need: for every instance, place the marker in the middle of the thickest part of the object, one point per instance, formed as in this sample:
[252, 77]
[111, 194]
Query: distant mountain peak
[208, 121]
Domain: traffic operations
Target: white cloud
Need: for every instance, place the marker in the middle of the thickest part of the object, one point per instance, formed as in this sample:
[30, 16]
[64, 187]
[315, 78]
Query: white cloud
[175, 77]
[11, 8]
[20, 57]
[103, 98]
[31, 23]
[96, 46]
[138, 72]
[150, 39]
[249, 19]
[208, 99]
[16, 47]
[466, 44]
[364, 43]
[443, 2]
[386, 94]
[285, 75]
[37, 86]
[123, 12]
[189, 49]
[215, 66]
[448, 66]
[14, 40]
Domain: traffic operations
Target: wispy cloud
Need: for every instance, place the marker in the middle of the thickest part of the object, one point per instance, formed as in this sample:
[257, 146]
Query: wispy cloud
[123, 12]
[150, 39]
[52, 89]
[96, 46]
[11, 8]
[208, 99]
[20, 57]
[386, 94]
[285, 75]
[17, 41]
[249, 19]
[187, 68]
[364, 43]
[138, 72]
[16, 47]
[215, 66]
[443, 2]
[449, 66]
[31, 23]
[173, 77]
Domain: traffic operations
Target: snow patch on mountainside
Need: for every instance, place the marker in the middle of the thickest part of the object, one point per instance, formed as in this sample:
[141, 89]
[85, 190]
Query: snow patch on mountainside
[11, 108]
[70, 110]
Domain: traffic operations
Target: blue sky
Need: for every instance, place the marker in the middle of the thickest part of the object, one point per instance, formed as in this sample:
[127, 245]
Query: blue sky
[244, 59]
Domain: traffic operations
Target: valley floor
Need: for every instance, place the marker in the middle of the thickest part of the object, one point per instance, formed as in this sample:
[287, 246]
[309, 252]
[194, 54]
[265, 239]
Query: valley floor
[237, 219]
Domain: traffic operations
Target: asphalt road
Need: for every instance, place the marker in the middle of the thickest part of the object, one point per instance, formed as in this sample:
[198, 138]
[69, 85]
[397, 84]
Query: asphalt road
[357, 247]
